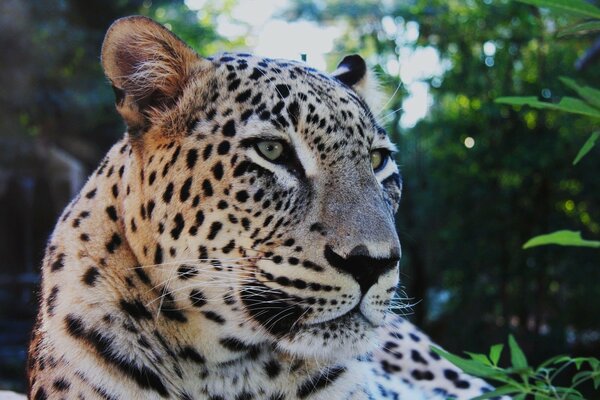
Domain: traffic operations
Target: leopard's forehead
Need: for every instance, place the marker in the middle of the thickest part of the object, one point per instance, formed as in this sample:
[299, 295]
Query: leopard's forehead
[322, 109]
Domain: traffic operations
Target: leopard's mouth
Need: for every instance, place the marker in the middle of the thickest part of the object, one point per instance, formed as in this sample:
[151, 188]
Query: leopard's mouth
[280, 316]
[344, 320]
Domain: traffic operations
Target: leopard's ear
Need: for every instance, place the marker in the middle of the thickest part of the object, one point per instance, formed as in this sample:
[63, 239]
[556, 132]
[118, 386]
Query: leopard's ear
[148, 67]
[353, 72]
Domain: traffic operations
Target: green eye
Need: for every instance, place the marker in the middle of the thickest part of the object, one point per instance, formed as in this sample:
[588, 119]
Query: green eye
[379, 159]
[272, 150]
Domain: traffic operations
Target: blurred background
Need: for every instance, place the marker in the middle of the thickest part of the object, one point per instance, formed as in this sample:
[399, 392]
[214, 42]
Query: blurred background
[480, 178]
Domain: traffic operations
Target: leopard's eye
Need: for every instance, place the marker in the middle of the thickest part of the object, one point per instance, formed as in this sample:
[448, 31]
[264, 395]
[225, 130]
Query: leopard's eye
[379, 158]
[272, 150]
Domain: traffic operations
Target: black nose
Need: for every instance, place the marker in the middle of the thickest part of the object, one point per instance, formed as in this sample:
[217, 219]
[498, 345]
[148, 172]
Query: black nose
[359, 263]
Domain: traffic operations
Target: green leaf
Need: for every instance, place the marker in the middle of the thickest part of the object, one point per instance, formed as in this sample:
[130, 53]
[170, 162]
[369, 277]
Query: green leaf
[581, 376]
[587, 146]
[501, 391]
[586, 27]
[578, 7]
[517, 356]
[589, 94]
[471, 367]
[561, 238]
[566, 104]
[482, 358]
[495, 352]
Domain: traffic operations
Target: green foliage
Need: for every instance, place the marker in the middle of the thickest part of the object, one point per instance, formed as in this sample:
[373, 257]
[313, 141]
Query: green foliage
[588, 104]
[587, 146]
[566, 104]
[581, 29]
[581, 8]
[562, 238]
[520, 380]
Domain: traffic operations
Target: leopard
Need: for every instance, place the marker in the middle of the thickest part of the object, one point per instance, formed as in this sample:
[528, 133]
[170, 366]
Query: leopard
[238, 243]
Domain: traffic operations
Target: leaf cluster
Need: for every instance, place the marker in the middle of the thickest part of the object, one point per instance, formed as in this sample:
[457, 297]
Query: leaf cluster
[520, 380]
[587, 104]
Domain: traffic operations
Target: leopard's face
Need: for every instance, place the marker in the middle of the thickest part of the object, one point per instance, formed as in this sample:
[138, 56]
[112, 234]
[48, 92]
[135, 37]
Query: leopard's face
[262, 196]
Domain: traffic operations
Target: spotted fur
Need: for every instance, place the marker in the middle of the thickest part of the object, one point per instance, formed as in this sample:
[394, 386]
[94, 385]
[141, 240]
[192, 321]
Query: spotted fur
[191, 267]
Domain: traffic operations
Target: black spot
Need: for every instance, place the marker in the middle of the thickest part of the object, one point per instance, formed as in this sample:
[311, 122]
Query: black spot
[207, 188]
[283, 90]
[422, 375]
[414, 337]
[213, 316]
[241, 168]
[217, 171]
[189, 353]
[462, 384]
[158, 254]
[190, 159]
[135, 309]
[139, 270]
[197, 298]
[233, 344]
[256, 73]
[61, 384]
[258, 195]
[51, 301]
[58, 263]
[242, 196]
[229, 247]
[114, 243]
[91, 194]
[229, 128]
[242, 97]
[168, 193]
[234, 85]
[320, 381]
[215, 227]
[223, 147]
[186, 271]
[294, 113]
[152, 178]
[277, 108]
[272, 368]
[150, 208]
[416, 357]
[451, 374]
[207, 151]
[90, 276]
[179, 223]
[199, 218]
[112, 213]
[184, 193]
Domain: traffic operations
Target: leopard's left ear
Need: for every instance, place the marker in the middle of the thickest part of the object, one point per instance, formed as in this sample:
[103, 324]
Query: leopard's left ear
[148, 67]
[353, 72]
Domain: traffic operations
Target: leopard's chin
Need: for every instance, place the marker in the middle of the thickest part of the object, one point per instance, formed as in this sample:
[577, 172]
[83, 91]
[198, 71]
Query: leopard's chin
[344, 337]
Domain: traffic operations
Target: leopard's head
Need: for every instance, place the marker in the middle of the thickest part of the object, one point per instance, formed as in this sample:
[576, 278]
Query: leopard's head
[261, 194]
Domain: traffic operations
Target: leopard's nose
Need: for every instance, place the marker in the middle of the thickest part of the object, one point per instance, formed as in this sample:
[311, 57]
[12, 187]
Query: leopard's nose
[363, 267]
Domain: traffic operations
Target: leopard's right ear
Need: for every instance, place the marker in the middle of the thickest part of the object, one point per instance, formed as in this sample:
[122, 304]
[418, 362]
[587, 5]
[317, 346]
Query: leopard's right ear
[148, 67]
